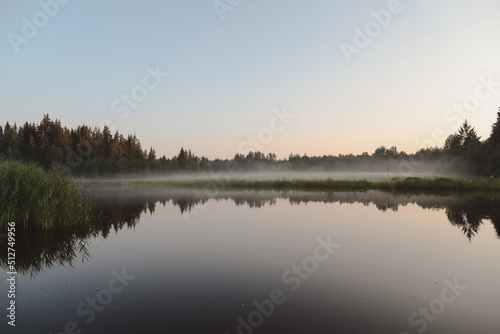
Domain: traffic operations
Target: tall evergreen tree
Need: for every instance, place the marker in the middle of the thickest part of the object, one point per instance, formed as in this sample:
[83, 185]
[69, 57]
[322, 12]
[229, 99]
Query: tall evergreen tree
[182, 160]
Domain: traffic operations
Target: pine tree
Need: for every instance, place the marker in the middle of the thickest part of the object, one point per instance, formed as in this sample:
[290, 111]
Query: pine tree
[182, 160]
[463, 141]
[152, 154]
[494, 138]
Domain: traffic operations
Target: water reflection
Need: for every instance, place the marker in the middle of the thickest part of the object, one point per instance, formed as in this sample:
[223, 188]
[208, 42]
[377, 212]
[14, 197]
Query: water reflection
[469, 213]
[117, 209]
[38, 249]
[465, 212]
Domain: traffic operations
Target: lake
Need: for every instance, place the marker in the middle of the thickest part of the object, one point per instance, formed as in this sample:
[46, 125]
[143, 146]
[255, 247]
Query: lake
[181, 261]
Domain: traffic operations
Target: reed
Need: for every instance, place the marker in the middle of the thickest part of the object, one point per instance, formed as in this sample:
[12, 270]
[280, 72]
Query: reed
[33, 198]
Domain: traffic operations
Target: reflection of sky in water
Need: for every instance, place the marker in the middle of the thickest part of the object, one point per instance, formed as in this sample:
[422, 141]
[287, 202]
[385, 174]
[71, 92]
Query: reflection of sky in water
[194, 278]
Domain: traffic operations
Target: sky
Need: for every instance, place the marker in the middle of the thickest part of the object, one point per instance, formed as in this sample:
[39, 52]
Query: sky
[229, 76]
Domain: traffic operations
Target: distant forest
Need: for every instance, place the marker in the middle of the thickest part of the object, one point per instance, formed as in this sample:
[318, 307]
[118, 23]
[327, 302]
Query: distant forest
[97, 152]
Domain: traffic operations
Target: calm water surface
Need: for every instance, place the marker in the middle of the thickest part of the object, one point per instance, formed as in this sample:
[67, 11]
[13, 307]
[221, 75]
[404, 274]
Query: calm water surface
[265, 262]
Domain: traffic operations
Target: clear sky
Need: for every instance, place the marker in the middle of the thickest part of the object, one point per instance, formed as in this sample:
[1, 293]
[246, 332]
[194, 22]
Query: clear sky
[352, 79]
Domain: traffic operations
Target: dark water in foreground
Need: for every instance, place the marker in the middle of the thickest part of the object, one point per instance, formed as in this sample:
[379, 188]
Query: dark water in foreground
[264, 262]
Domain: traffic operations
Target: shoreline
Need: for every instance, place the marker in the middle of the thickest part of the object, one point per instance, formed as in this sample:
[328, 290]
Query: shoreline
[328, 184]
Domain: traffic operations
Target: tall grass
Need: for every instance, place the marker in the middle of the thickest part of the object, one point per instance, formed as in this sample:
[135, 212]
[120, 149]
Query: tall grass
[442, 184]
[395, 184]
[33, 198]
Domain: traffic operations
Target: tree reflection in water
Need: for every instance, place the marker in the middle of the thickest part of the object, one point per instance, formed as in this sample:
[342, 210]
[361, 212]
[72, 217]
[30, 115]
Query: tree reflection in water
[116, 209]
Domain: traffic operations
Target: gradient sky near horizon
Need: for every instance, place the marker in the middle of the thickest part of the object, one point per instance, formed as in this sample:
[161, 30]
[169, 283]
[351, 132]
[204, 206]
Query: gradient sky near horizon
[227, 76]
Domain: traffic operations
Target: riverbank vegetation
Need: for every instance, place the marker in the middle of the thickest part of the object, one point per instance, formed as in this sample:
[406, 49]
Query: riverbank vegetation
[31, 197]
[394, 184]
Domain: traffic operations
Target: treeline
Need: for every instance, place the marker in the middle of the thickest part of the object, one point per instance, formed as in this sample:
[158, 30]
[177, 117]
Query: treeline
[468, 153]
[87, 151]
[94, 152]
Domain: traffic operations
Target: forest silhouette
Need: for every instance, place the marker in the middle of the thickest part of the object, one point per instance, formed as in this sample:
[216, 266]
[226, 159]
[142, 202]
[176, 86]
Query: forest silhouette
[97, 152]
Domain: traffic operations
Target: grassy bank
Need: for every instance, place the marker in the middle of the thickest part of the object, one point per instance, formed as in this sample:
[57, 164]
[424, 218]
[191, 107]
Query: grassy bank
[31, 197]
[395, 184]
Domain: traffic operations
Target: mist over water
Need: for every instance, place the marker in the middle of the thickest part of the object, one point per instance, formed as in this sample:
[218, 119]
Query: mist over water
[168, 166]
[274, 175]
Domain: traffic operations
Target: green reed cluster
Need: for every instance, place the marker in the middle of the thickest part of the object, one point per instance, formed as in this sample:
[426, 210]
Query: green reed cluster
[32, 197]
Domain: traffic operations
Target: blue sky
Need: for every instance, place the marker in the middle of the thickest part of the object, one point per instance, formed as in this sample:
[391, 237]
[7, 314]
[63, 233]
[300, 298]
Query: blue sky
[226, 78]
